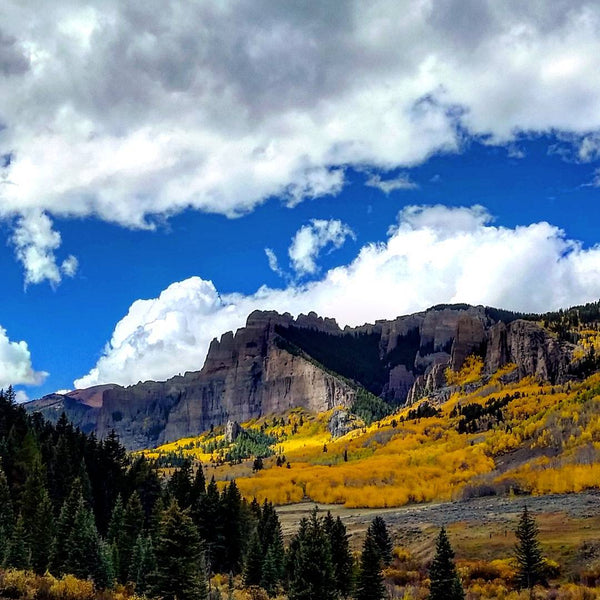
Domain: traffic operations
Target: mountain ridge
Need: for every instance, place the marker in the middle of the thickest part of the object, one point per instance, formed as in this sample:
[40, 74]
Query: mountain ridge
[277, 362]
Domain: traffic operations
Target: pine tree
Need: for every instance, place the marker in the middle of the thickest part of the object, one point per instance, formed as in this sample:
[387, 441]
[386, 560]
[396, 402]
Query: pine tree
[83, 545]
[133, 523]
[209, 522]
[272, 568]
[180, 485]
[143, 563]
[38, 517]
[33, 491]
[180, 570]
[528, 553]
[18, 554]
[115, 532]
[41, 536]
[382, 538]
[104, 573]
[370, 580]
[231, 503]
[198, 486]
[254, 562]
[342, 557]
[445, 584]
[311, 576]
[64, 528]
[6, 515]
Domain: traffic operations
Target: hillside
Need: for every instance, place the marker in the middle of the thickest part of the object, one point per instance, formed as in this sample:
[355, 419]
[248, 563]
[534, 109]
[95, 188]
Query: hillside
[276, 363]
[492, 436]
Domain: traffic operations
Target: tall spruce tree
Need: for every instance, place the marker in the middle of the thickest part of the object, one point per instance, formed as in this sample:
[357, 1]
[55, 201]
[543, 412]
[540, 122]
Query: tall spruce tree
[529, 553]
[180, 486]
[104, 572]
[445, 583]
[198, 485]
[7, 517]
[311, 571]
[18, 554]
[231, 511]
[254, 562]
[115, 533]
[143, 564]
[272, 569]
[382, 538]
[209, 522]
[342, 557]
[370, 584]
[83, 545]
[41, 535]
[180, 572]
[64, 529]
[133, 523]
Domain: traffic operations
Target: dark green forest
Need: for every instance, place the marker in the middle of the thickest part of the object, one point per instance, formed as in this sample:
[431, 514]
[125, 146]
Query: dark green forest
[72, 504]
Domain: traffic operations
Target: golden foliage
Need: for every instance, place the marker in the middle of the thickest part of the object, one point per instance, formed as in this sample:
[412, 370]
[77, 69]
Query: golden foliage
[69, 587]
[396, 461]
[468, 373]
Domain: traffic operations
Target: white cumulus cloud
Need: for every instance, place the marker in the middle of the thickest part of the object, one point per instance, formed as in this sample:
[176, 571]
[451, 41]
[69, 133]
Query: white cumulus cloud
[126, 110]
[15, 363]
[433, 255]
[35, 243]
[402, 182]
[310, 239]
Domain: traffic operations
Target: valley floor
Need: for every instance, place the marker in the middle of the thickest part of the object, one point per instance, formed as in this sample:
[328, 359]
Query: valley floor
[480, 528]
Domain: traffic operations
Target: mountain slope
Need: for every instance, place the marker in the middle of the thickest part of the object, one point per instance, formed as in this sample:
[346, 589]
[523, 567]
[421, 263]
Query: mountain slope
[276, 362]
[491, 437]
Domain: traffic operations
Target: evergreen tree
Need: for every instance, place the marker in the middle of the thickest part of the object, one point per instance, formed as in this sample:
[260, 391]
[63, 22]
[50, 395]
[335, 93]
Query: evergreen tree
[180, 485]
[83, 545]
[133, 523]
[18, 554]
[115, 532]
[231, 511]
[210, 525]
[104, 573]
[180, 568]
[272, 569]
[529, 553]
[341, 556]
[445, 584]
[382, 538]
[6, 515]
[64, 528]
[38, 517]
[41, 535]
[143, 563]
[370, 581]
[311, 572]
[254, 562]
[33, 492]
[198, 487]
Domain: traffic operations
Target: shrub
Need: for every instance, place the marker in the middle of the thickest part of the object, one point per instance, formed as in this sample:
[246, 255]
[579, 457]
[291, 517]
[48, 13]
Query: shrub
[18, 584]
[71, 588]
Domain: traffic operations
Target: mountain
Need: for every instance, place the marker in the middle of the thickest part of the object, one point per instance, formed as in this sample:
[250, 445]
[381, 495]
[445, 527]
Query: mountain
[277, 362]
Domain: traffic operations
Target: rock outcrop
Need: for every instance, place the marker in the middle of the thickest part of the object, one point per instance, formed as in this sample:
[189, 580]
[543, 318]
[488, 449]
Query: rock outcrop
[277, 362]
[232, 431]
[342, 422]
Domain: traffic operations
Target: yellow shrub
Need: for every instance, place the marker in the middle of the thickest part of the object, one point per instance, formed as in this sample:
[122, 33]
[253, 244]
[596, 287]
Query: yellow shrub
[69, 587]
[18, 584]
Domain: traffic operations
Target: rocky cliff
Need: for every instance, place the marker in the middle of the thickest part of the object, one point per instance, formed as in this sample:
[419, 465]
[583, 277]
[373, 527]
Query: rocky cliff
[277, 362]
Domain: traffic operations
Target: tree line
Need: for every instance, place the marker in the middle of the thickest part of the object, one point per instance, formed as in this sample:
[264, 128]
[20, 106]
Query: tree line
[72, 504]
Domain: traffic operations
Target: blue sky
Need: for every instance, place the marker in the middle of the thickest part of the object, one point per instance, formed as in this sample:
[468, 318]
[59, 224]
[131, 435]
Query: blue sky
[164, 172]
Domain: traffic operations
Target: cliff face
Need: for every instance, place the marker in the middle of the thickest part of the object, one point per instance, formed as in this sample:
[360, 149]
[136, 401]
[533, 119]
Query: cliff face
[277, 362]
